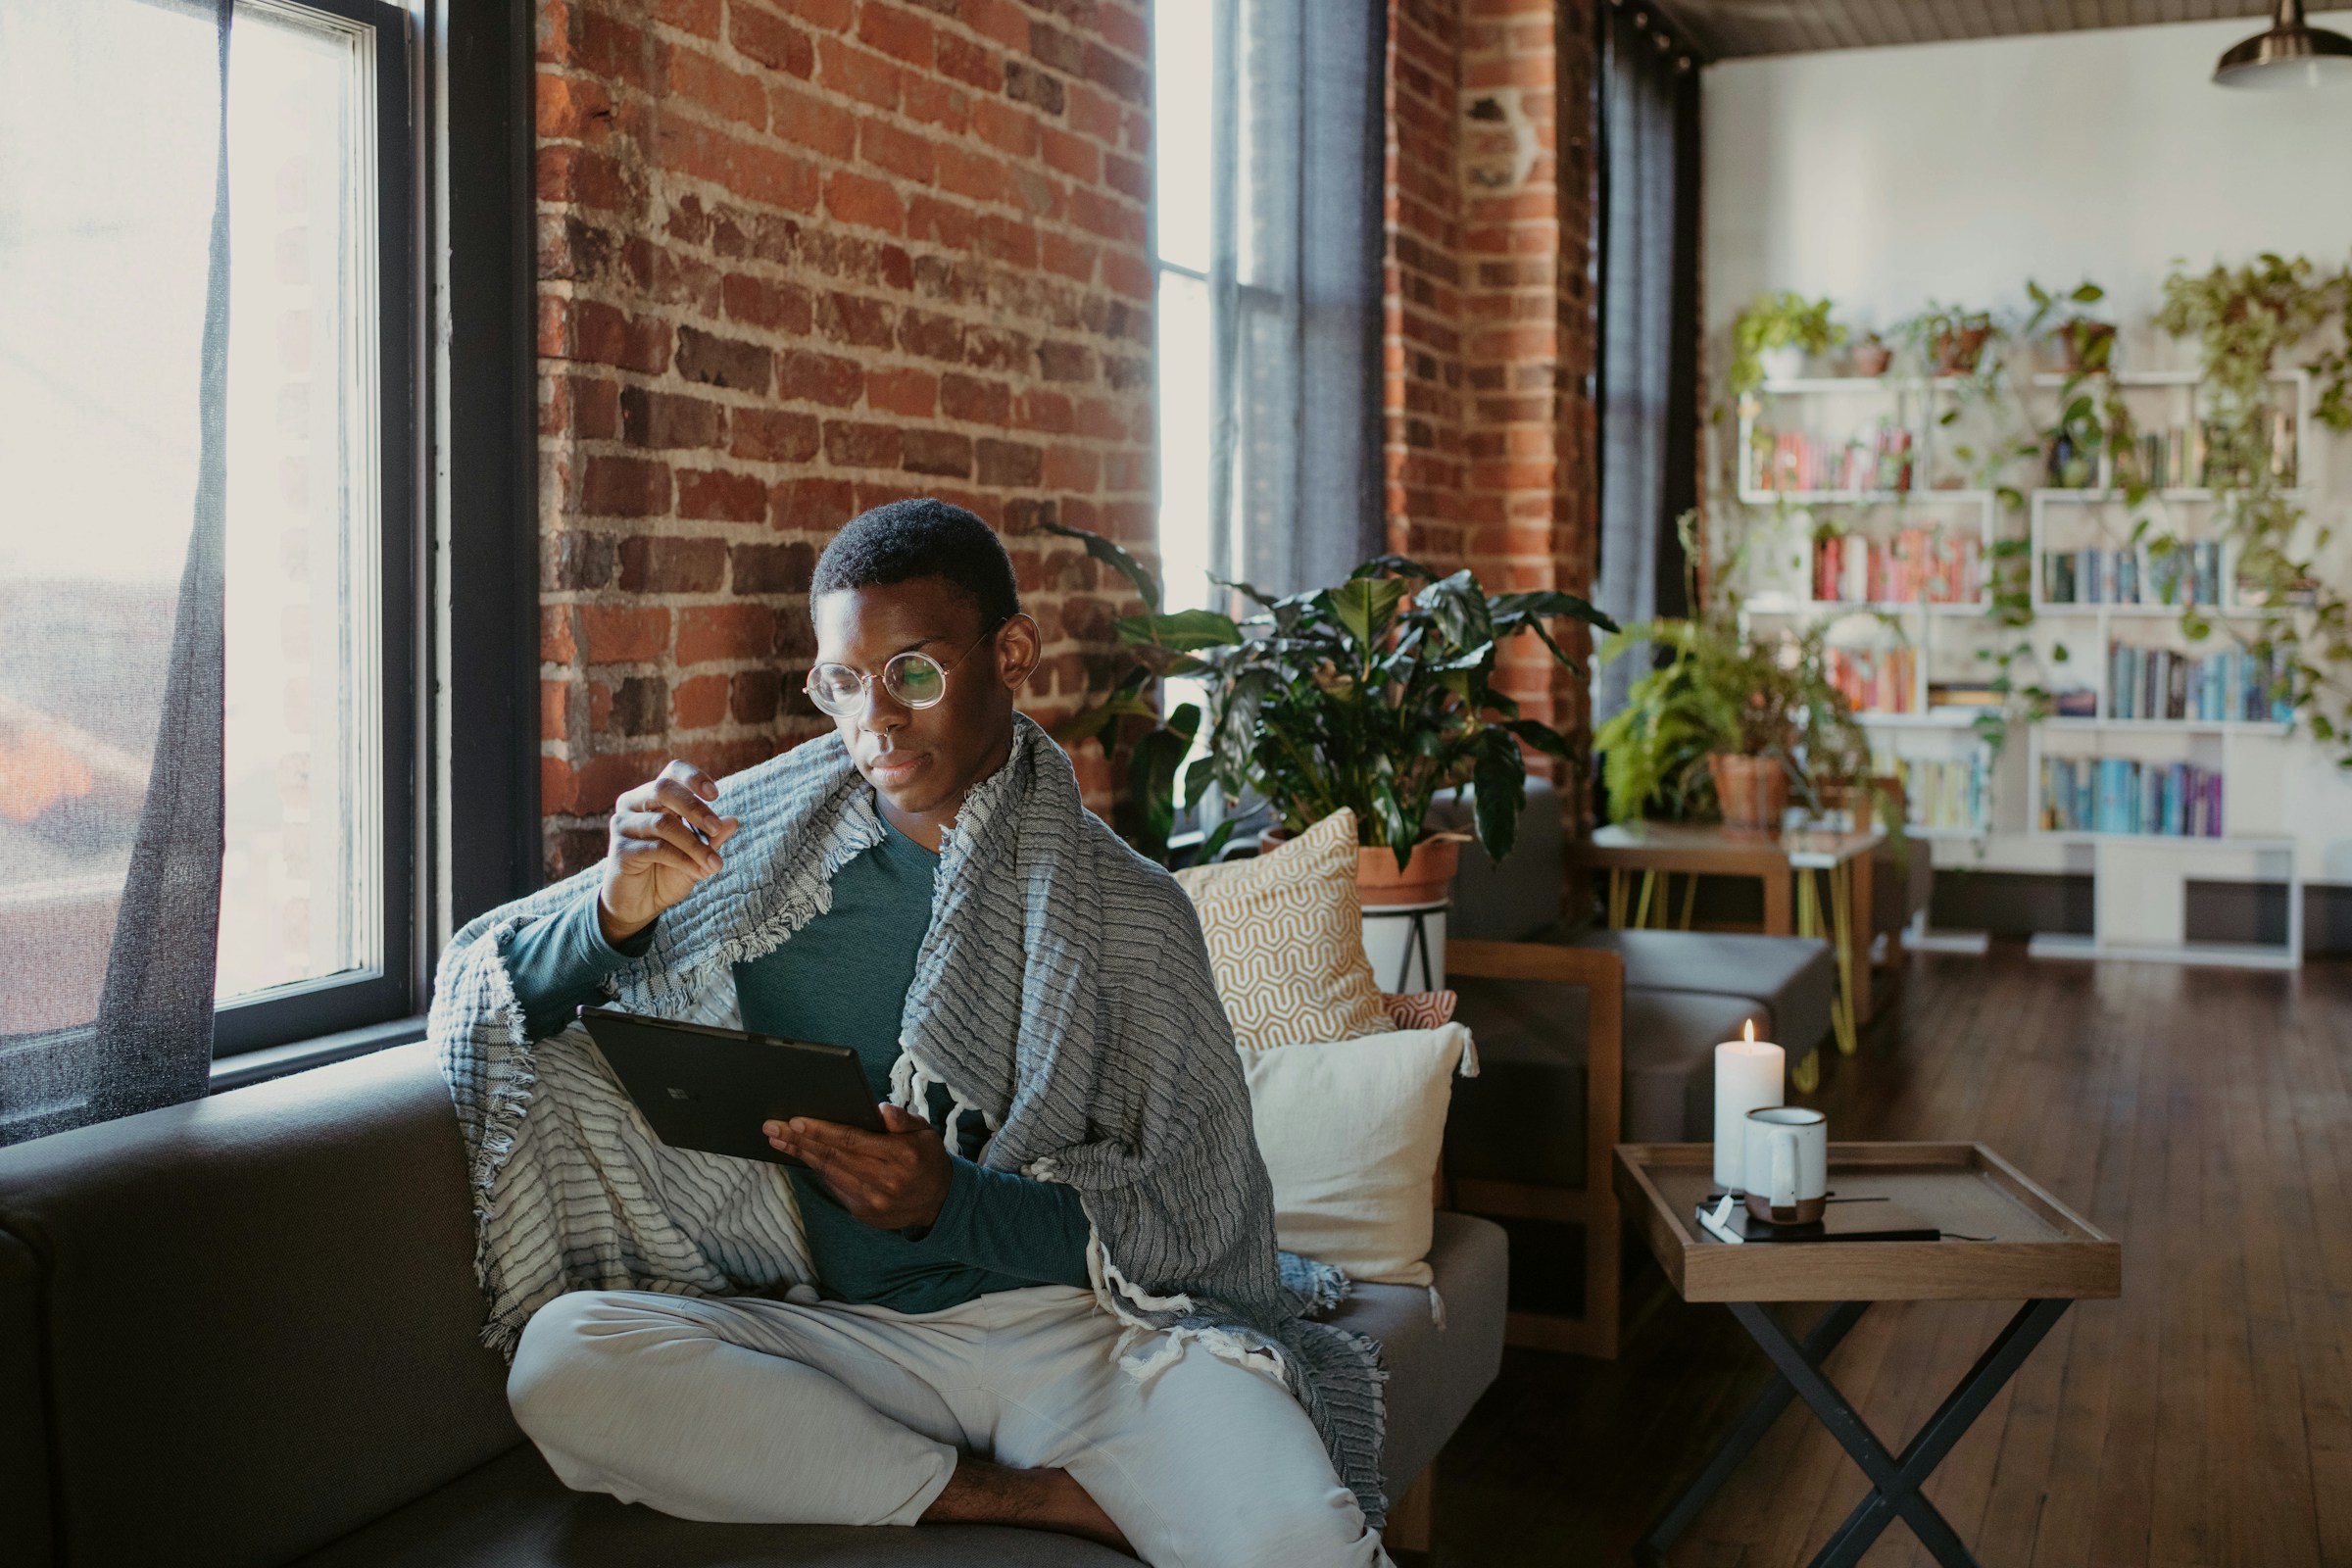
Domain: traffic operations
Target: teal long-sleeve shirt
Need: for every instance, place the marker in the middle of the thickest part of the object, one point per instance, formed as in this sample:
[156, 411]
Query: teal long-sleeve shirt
[842, 980]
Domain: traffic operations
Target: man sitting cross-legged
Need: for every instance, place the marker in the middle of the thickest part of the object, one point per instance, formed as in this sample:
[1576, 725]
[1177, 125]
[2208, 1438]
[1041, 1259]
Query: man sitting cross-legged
[1048, 1294]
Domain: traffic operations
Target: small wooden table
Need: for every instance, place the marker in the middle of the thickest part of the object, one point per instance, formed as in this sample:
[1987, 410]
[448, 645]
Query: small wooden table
[2032, 1247]
[1784, 862]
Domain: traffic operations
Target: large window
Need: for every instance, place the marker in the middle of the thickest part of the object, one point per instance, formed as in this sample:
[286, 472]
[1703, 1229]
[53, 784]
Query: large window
[1184, 50]
[108, 172]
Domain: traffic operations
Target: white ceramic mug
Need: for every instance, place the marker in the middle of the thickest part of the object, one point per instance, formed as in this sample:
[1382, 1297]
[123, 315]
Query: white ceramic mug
[1787, 1164]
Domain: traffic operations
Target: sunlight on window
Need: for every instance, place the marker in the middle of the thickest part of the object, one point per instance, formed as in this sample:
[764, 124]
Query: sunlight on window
[1182, 54]
[299, 891]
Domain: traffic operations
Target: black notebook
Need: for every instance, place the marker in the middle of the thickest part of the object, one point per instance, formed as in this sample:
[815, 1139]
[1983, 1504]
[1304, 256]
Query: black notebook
[1852, 1220]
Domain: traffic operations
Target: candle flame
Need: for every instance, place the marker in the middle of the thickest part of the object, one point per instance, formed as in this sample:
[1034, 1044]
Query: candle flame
[1748, 1029]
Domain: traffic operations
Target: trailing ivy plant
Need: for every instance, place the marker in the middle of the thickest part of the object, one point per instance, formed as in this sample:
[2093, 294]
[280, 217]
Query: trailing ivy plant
[2243, 319]
[1780, 321]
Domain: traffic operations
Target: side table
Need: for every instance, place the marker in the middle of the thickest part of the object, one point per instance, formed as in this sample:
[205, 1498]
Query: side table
[2032, 1247]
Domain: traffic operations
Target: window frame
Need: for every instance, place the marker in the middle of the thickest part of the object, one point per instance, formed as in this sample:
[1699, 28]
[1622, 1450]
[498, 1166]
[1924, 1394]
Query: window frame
[334, 1004]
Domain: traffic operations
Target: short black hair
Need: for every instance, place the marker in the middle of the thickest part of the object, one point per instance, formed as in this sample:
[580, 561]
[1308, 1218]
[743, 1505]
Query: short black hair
[922, 537]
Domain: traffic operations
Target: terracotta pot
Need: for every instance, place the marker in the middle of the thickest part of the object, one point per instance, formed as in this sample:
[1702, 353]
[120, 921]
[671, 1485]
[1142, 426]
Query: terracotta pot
[1427, 877]
[1956, 353]
[1752, 790]
[1871, 357]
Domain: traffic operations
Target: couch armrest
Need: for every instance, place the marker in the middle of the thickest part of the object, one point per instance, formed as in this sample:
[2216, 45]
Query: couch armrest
[1603, 975]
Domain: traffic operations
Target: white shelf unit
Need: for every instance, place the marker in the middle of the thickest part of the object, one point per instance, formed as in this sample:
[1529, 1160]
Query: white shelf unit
[2139, 879]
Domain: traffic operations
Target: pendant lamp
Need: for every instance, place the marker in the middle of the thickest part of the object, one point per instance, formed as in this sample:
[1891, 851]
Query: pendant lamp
[2288, 57]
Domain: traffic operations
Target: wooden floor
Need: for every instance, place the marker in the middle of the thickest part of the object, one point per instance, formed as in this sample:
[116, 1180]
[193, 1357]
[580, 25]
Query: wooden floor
[2203, 1117]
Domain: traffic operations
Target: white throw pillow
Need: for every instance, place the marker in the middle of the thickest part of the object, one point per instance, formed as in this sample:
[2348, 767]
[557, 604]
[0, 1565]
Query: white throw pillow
[1350, 1131]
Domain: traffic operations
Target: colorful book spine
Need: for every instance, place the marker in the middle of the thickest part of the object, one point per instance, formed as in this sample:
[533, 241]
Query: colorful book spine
[2122, 795]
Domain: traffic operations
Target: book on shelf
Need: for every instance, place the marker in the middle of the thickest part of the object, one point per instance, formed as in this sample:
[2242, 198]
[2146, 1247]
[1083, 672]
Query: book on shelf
[1874, 458]
[2075, 702]
[1965, 696]
[1875, 680]
[2122, 795]
[1940, 792]
[2190, 573]
[2184, 457]
[1918, 566]
[2234, 686]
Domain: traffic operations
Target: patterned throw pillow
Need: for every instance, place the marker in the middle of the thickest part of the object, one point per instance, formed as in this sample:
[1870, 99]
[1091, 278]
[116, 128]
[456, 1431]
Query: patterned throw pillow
[1285, 940]
[1419, 1009]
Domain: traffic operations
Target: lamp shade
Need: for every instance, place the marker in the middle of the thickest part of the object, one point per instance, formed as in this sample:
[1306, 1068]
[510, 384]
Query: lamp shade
[2290, 56]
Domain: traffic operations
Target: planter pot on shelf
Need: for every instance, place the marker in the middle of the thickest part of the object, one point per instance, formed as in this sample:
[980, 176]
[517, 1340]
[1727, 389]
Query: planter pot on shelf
[1871, 357]
[1753, 790]
[1784, 364]
[1404, 910]
[1957, 353]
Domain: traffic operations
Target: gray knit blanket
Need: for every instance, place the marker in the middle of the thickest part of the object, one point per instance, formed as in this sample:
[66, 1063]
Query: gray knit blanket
[1063, 994]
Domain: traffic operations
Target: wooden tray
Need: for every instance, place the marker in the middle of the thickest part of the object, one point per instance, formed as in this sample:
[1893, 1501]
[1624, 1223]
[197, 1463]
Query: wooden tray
[2038, 1247]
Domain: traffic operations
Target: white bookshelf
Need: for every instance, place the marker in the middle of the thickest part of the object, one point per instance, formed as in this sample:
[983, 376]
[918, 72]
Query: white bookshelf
[2140, 879]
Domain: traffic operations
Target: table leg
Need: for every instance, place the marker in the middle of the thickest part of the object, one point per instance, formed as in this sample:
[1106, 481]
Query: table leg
[1842, 939]
[1806, 1076]
[1808, 916]
[1820, 1340]
[1689, 899]
[1895, 1481]
[1862, 875]
[1616, 898]
[1776, 904]
[1649, 881]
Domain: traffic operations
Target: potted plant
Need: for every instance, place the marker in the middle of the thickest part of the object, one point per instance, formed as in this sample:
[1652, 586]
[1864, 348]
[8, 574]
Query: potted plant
[1770, 338]
[1948, 339]
[1375, 696]
[1724, 725]
[2086, 344]
[1872, 354]
[1707, 731]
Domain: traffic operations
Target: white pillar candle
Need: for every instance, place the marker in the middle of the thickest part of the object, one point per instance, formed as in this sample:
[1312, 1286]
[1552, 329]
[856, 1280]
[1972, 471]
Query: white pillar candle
[1747, 1077]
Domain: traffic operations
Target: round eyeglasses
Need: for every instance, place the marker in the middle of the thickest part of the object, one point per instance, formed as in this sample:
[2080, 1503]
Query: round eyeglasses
[912, 679]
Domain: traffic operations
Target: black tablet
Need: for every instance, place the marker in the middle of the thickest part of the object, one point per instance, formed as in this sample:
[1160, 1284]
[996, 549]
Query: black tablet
[709, 1089]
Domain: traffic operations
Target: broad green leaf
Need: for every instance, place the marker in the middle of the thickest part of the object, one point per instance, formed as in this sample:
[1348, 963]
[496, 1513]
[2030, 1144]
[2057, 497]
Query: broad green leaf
[1184, 631]
[1112, 556]
[1363, 605]
[1395, 567]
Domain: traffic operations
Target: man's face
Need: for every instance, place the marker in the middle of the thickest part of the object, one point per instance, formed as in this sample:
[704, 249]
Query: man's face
[923, 760]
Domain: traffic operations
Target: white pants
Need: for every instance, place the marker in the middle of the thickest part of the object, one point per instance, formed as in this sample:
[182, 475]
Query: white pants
[756, 1411]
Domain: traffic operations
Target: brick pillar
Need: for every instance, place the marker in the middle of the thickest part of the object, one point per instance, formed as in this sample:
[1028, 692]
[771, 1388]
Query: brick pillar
[1491, 444]
[797, 257]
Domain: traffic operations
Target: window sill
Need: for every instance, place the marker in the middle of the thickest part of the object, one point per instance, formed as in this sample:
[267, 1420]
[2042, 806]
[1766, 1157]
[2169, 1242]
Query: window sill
[276, 1062]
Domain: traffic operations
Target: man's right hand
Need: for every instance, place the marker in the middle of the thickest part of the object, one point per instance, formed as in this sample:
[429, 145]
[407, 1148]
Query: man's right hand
[664, 841]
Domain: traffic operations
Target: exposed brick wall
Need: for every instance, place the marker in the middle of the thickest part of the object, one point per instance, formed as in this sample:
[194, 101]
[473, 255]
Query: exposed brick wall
[797, 257]
[1490, 327]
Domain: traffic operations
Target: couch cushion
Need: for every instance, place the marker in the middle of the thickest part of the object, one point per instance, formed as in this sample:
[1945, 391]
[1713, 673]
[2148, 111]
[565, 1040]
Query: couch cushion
[1793, 979]
[1522, 1118]
[1436, 1375]
[262, 1313]
[513, 1513]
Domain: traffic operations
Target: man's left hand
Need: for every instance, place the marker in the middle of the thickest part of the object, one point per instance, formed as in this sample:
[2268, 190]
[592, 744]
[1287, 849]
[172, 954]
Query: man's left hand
[891, 1179]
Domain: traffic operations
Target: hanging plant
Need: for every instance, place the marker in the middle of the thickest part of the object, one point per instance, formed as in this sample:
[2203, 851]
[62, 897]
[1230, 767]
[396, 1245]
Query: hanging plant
[2243, 318]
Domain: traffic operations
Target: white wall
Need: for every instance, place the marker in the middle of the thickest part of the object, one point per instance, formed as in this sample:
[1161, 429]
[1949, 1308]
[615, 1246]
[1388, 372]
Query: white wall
[1886, 177]
[1882, 178]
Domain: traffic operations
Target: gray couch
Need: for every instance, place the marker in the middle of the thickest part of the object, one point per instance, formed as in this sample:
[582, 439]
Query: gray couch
[245, 1331]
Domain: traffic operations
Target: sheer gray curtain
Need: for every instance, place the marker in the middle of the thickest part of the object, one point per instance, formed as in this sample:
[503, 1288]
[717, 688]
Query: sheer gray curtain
[114, 347]
[1648, 323]
[1295, 289]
